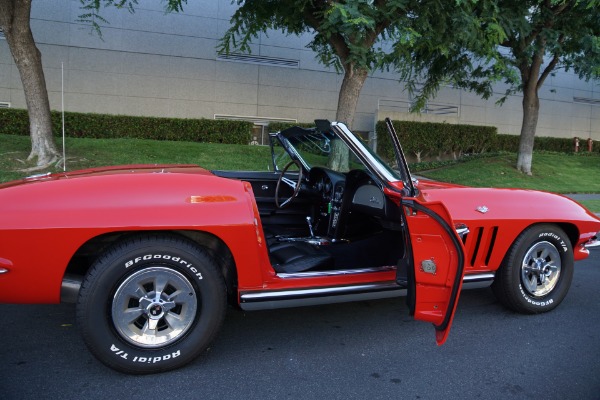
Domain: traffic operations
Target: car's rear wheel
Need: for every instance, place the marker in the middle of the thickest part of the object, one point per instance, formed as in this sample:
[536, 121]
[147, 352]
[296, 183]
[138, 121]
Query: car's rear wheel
[150, 304]
[537, 271]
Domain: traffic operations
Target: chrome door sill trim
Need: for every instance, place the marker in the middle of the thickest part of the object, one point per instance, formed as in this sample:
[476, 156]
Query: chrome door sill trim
[338, 294]
[315, 274]
[315, 296]
[478, 281]
[478, 277]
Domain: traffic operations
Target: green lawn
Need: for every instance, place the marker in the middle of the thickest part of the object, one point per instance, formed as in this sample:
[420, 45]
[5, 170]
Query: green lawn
[85, 153]
[593, 205]
[553, 172]
[560, 173]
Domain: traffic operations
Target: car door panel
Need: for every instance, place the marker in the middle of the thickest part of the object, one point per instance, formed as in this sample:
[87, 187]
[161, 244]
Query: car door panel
[438, 264]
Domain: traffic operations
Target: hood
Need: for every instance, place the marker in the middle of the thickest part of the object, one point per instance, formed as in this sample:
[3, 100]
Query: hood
[112, 170]
[467, 203]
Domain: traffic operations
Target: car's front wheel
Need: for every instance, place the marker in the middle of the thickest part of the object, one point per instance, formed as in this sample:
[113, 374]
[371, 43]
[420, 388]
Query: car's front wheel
[537, 271]
[150, 304]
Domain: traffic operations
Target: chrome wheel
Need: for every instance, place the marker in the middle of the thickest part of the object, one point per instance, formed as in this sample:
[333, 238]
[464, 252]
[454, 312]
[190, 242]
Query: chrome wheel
[154, 307]
[536, 273]
[540, 269]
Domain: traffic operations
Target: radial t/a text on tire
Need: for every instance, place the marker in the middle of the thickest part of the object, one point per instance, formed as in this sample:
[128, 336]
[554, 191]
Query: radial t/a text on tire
[151, 303]
[537, 271]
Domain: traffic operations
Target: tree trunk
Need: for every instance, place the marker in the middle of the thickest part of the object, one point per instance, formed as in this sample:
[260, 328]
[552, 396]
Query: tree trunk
[28, 60]
[354, 79]
[531, 109]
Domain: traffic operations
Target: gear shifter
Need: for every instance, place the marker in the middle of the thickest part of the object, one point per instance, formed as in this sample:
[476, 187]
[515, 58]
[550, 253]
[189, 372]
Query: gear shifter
[310, 227]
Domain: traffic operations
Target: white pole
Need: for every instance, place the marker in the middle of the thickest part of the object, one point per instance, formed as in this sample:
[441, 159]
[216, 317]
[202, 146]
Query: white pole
[62, 100]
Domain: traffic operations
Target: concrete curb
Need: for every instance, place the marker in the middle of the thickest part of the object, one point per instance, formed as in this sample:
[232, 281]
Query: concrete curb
[584, 196]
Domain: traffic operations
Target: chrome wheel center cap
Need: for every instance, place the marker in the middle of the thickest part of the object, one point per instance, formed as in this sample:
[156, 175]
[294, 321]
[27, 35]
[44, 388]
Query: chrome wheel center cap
[155, 311]
[154, 307]
[538, 266]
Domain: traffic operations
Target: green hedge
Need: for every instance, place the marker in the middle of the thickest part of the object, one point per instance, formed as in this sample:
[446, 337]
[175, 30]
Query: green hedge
[421, 139]
[510, 143]
[430, 139]
[279, 126]
[16, 122]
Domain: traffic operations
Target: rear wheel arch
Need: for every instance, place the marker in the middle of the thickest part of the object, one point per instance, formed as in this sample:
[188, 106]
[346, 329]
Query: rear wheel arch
[151, 302]
[217, 249]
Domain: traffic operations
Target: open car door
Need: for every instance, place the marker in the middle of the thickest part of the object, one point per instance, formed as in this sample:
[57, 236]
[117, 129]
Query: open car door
[434, 259]
[434, 264]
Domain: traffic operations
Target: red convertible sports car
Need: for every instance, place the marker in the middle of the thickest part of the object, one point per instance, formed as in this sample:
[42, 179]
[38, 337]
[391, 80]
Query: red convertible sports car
[153, 254]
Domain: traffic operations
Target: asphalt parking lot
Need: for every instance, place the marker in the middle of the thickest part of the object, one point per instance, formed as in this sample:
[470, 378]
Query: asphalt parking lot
[355, 350]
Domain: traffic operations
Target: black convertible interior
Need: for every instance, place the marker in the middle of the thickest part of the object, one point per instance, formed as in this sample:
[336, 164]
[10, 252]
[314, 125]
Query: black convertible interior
[336, 222]
[320, 215]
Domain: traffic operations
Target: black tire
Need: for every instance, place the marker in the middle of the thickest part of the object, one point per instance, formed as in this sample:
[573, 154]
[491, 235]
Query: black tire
[151, 303]
[537, 271]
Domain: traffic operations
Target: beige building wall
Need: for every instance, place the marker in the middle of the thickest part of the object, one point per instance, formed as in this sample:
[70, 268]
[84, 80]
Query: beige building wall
[152, 64]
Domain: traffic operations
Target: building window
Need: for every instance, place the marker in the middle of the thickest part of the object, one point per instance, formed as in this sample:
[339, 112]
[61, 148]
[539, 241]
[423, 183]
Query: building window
[260, 131]
[586, 100]
[259, 60]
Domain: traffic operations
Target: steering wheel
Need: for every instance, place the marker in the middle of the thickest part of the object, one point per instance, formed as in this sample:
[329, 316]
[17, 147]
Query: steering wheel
[289, 182]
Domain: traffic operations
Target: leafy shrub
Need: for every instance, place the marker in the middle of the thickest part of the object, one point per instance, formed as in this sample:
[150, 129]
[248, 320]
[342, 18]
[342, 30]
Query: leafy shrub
[429, 139]
[435, 140]
[279, 126]
[16, 122]
[510, 143]
[563, 145]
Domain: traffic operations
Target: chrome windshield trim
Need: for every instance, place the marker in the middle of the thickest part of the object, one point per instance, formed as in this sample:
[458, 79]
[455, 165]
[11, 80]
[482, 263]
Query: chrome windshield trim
[374, 164]
[336, 272]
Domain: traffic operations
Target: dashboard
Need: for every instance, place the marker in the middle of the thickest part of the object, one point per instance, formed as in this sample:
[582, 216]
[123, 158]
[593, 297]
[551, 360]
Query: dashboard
[341, 194]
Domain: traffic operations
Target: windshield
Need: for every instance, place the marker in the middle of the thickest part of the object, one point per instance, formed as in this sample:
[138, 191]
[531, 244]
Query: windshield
[327, 150]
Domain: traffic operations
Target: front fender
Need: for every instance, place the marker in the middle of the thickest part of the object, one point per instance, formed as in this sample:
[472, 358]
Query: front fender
[44, 224]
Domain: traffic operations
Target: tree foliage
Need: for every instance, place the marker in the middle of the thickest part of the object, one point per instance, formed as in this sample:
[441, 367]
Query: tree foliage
[92, 10]
[545, 36]
[347, 35]
[535, 38]
[358, 37]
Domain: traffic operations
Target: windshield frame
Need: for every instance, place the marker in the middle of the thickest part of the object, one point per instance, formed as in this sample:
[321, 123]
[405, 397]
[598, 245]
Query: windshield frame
[371, 160]
[367, 157]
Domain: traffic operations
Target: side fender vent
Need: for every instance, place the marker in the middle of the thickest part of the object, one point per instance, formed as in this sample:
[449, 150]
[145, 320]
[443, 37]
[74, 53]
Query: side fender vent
[480, 246]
